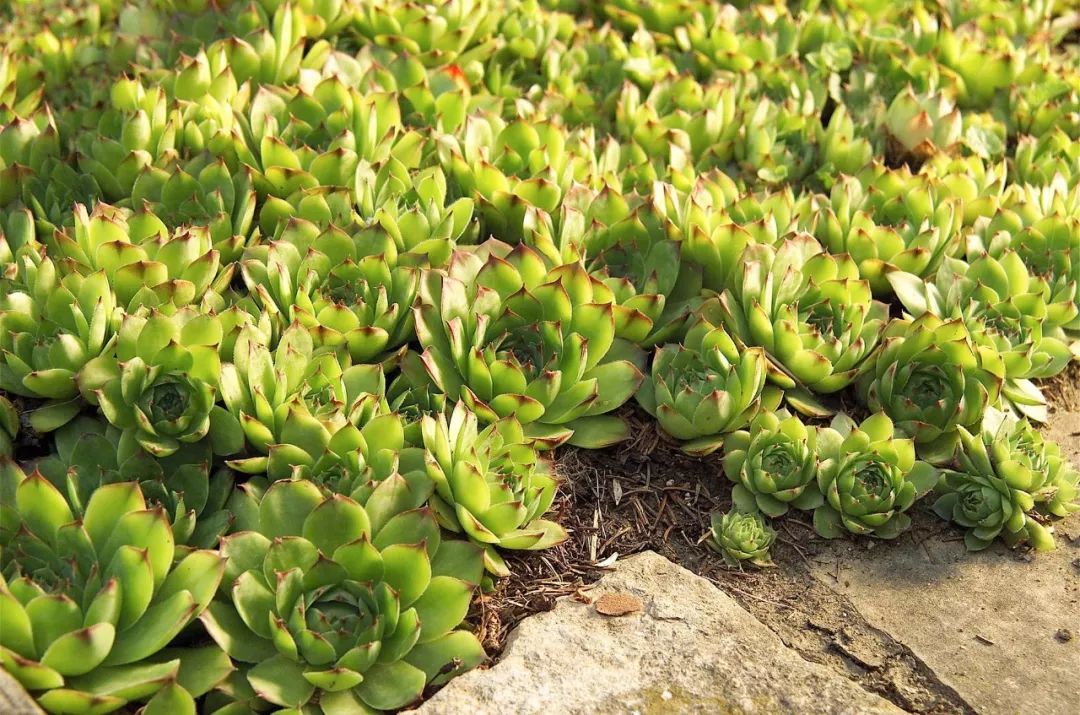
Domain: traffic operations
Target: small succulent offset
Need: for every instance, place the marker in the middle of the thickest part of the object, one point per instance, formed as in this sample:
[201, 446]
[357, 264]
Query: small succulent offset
[774, 465]
[89, 604]
[1006, 482]
[742, 536]
[869, 478]
[336, 606]
[704, 388]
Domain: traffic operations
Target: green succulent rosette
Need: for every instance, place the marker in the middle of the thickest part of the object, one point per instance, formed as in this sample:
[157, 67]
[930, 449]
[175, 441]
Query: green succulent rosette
[1009, 438]
[490, 484]
[147, 265]
[1038, 161]
[410, 216]
[930, 377]
[741, 536]
[705, 388]
[623, 244]
[336, 606]
[1006, 309]
[289, 402]
[773, 464]
[460, 30]
[1006, 482]
[159, 387]
[986, 505]
[51, 326]
[507, 337]
[202, 196]
[89, 605]
[357, 460]
[869, 478]
[808, 309]
[29, 146]
[887, 219]
[923, 125]
[328, 283]
[1047, 240]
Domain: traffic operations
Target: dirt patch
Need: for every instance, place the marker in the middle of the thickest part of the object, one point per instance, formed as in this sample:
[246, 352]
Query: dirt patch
[1062, 391]
[649, 495]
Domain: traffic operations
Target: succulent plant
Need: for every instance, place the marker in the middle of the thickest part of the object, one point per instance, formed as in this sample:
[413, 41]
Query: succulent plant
[773, 464]
[335, 604]
[1057, 496]
[930, 377]
[88, 603]
[490, 483]
[9, 427]
[1005, 474]
[506, 336]
[923, 125]
[1048, 246]
[159, 387]
[53, 325]
[742, 536]
[816, 320]
[91, 453]
[344, 296]
[451, 31]
[145, 264]
[869, 478]
[705, 387]
[310, 286]
[1006, 310]
[913, 229]
[289, 402]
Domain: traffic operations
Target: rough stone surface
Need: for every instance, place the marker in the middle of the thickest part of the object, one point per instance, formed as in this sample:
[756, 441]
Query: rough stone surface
[988, 624]
[13, 699]
[692, 649]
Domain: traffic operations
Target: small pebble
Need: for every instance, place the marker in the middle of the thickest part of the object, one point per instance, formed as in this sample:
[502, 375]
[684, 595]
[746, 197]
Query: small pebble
[1064, 635]
[666, 695]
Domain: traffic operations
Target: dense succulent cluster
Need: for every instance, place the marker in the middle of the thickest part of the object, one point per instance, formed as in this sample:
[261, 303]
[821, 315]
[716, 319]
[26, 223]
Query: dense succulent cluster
[298, 298]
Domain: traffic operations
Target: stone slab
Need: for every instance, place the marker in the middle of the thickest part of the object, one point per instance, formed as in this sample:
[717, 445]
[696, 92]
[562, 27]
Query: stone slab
[13, 699]
[1001, 628]
[691, 649]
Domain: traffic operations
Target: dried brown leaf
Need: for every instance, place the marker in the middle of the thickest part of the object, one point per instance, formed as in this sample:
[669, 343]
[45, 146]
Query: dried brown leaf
[617, 604]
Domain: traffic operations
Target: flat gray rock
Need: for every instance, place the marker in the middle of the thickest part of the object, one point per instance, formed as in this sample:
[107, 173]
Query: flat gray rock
[691, 649]
[1001, 628]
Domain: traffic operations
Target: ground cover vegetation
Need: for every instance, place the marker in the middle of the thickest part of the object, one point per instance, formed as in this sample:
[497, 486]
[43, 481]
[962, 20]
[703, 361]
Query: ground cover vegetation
[299, 301]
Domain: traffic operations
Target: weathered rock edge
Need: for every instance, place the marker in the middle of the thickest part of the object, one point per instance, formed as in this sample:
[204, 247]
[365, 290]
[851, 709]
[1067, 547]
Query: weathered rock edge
[13, 699]
[692, 649]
